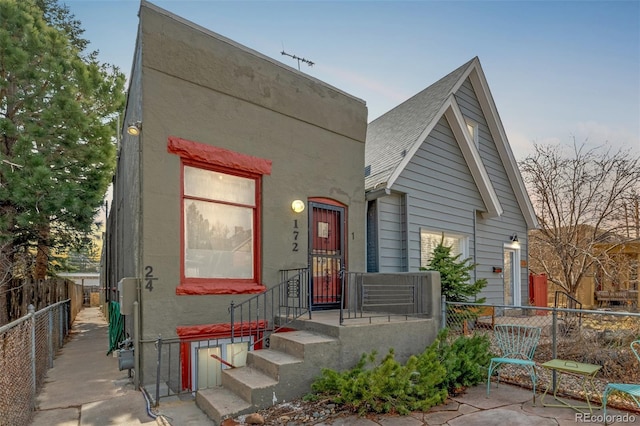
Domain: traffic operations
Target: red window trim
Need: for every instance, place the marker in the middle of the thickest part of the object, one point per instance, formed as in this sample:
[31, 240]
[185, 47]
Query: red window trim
[213, 155]
[194, 333]
[219, 159]
[328, 201]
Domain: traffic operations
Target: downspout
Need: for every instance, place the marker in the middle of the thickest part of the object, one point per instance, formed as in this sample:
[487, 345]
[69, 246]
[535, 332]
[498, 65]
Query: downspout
[366, 234]
[139, 249]
[114, 238]
[405, 233]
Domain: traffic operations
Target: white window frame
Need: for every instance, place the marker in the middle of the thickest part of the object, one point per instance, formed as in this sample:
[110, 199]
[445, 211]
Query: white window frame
[473, 129]
[207, 201]
[205, 344]
[463, 244]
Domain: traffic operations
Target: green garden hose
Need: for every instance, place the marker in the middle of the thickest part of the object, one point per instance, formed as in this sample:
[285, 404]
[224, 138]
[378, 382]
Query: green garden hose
[116, 327]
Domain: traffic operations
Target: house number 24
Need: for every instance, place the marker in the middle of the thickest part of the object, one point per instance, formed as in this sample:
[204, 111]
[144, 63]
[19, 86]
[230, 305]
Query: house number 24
[149, 278]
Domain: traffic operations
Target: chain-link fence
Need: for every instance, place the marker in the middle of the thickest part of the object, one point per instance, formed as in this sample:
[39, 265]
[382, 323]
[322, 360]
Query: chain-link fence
[27, 348]
[599, 337]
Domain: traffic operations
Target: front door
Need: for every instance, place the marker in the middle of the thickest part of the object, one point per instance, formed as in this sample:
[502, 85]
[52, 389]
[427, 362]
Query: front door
[511, 275]
[326, 252]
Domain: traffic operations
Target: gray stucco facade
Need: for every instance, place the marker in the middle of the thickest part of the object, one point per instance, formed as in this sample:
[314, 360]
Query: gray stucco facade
[193, 85]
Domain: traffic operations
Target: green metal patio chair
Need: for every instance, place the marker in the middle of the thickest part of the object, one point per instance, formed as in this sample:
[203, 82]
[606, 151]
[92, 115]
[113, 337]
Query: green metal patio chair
[517, 345]
[631, 389]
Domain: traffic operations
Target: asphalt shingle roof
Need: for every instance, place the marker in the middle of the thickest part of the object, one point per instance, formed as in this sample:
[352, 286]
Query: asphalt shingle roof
[391, 136]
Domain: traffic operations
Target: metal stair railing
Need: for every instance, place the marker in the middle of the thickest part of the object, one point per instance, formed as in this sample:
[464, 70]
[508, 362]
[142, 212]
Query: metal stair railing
[365, 297]
[272, 310]
[563, 299]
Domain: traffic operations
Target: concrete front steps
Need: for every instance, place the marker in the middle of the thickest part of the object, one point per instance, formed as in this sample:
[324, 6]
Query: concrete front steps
[295, 359]
[280, 373]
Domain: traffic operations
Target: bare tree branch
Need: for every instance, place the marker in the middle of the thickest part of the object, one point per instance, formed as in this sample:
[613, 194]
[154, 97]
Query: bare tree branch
[581, 197]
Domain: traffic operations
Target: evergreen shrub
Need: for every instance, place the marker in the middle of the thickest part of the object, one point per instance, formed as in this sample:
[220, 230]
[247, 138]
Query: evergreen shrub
[423, 382]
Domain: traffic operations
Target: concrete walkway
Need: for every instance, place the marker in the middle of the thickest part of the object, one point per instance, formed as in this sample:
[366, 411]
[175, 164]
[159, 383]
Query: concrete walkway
[86, 388]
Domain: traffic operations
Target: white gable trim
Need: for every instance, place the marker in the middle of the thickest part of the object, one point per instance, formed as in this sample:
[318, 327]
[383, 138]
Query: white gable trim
[474, 64]
[481, 88]
[451, 111]
[416, 145]
[472, 158]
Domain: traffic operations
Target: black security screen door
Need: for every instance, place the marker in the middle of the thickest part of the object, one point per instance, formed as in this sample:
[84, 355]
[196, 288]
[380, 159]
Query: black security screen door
[326, 251]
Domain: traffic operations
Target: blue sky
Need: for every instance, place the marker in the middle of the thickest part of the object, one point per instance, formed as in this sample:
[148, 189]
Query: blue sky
[556, 69]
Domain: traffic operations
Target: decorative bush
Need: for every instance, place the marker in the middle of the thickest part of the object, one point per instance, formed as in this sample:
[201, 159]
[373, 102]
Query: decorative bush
[423, 382]
[465, 360]
[455, 275]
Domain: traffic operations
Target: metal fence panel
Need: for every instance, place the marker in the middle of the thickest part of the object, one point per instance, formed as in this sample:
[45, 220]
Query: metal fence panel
[27, 349]
[17, 384]
[599, 337]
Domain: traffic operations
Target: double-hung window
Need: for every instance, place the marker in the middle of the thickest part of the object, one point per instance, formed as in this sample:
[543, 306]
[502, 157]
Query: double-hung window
[221, 192]
[220, 213]
[429, 240]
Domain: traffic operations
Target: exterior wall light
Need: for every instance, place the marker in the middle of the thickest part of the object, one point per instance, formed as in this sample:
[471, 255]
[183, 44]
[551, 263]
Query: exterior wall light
[514, 238]
[134, 129]
[297, 206]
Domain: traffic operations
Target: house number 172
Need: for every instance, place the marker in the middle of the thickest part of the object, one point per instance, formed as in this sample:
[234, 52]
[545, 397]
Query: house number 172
[295, 235]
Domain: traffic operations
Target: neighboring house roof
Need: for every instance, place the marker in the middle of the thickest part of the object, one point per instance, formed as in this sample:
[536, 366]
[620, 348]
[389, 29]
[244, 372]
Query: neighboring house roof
[393, 138]
[86, 278]
[79, 274]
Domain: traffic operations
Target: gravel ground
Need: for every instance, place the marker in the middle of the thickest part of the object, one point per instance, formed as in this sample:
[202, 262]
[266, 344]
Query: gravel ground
[300, 412]
[294, 413]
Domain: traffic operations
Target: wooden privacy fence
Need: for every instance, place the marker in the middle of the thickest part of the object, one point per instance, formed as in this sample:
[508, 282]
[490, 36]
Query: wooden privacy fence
[20, 293]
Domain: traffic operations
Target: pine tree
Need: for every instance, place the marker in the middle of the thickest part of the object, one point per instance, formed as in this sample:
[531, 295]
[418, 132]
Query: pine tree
[455, 278]
[58, 108]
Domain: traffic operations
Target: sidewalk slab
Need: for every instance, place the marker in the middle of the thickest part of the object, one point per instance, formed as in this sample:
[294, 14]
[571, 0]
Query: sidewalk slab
[84, 386]
[501, 416]
[500, 396]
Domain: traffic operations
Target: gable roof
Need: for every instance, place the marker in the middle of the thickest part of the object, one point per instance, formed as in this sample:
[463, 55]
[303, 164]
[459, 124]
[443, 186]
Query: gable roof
[393, 138]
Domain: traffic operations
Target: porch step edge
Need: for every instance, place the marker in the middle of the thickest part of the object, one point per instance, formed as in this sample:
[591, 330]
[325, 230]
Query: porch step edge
[296, 342]
[250, 384]
[220, 403]
[270, 361]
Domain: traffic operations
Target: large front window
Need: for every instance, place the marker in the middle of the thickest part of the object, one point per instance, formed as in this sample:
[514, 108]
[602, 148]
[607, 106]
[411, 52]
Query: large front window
[429, 240]
[220, 203]
[219, 217]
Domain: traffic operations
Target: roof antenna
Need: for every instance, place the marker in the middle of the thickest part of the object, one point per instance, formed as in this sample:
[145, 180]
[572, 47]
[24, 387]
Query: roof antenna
[306, 61]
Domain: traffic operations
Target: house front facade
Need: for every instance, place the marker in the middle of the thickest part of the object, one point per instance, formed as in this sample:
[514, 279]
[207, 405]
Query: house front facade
[440, 165]
[238, 167]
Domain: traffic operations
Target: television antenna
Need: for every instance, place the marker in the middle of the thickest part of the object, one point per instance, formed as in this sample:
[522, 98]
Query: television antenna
[306, 61]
